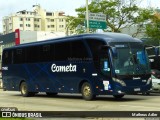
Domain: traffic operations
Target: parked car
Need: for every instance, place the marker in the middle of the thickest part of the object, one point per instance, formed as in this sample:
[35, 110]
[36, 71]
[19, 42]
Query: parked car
[155, 83]
[155, 75]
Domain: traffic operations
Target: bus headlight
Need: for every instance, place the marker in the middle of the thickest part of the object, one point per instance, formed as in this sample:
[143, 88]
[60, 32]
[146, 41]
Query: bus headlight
[119, 81]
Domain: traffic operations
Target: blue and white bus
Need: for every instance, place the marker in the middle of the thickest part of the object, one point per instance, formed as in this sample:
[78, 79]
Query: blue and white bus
[91, 64]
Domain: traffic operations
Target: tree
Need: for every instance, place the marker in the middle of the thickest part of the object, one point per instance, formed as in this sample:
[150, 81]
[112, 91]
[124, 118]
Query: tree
[120, 13]
[153, 30]
[73, 23]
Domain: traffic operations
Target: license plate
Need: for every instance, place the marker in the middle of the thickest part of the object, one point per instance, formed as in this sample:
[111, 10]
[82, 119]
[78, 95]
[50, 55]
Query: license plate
[137, 89]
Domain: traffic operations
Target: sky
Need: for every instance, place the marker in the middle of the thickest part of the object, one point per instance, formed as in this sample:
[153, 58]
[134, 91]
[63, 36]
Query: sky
[68, 6]
[12, 6]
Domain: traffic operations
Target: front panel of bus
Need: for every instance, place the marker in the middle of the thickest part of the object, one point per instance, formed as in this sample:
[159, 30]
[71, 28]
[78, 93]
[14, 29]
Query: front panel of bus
[129, 68]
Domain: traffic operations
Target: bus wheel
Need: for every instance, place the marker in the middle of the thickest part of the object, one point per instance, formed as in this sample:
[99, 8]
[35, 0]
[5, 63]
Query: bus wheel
[24, 90]
[51, 93]
[87, 92]
[118, 96]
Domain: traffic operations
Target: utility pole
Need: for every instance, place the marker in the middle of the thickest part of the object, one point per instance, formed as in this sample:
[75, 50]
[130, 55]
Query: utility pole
[87, 16]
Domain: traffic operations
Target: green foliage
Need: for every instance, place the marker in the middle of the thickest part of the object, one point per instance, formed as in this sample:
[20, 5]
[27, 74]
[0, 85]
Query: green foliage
[119, 14]
[73, 22]
[153, 30]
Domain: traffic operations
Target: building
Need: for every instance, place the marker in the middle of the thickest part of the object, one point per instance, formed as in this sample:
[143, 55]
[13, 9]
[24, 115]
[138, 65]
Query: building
[36, 20]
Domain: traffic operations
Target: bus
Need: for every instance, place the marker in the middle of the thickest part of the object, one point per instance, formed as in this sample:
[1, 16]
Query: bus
[154, 56]
[88, 64]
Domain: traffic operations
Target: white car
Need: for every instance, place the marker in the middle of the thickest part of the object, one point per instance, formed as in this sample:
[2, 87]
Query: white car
[155, 84]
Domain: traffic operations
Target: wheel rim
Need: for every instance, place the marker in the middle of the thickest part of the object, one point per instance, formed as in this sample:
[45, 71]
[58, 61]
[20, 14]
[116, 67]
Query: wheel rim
[87, 91]
[24, 89]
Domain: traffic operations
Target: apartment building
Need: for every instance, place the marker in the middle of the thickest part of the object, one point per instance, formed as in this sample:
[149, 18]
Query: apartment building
[36, 20]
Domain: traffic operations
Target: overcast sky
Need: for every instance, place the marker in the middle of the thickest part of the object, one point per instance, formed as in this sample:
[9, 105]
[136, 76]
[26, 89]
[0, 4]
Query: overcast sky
[68, 6]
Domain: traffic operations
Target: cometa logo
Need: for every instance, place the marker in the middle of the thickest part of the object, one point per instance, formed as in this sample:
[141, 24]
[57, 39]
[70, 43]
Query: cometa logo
[68, 68]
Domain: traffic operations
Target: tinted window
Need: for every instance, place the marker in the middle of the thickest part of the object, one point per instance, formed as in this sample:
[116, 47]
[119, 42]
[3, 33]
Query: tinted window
[79, 50]
[62, 51]
[46, 53]
[7, 57]
[95, 47]
[19, 56]
[32, 54]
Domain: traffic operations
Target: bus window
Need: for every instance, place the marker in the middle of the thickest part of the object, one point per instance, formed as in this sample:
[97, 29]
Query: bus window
[104, 62]
[46, 55]
[95, 47]
[79, 51]
[32, 54]
[141, 57]
[100, 56]
[19, 56]
[62, 51]
[7, 59]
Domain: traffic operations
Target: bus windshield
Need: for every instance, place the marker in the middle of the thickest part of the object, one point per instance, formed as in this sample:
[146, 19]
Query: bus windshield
[131, 59]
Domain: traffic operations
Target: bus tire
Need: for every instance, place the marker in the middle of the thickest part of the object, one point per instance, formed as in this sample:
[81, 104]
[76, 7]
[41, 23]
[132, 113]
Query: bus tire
[118, 96]
[24, 90]
[87, 92]
[51, 94]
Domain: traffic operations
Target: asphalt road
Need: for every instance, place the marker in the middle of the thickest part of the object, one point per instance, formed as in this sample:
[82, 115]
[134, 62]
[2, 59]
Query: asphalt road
[73, 102]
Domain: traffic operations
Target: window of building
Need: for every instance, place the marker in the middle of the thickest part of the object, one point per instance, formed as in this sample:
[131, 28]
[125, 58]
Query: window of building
[52, 20]
[52, 26]
[48, 26]
[28, 25]
[27, 19]
[21, 19]
[61, 26]
[37, 19]
[48, 14]
[21, 25]
[48, 20]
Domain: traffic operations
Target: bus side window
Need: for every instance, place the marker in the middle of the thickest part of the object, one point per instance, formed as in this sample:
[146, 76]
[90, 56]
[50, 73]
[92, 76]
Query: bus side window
[19, 56]
[79, 51]
[32, 54]
[62, 51]
[7, 57]
[104, 62]
[95, 47]
[100, 57]
[46, 55]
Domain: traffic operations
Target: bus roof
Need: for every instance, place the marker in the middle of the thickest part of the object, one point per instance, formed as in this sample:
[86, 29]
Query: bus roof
[107, 37]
